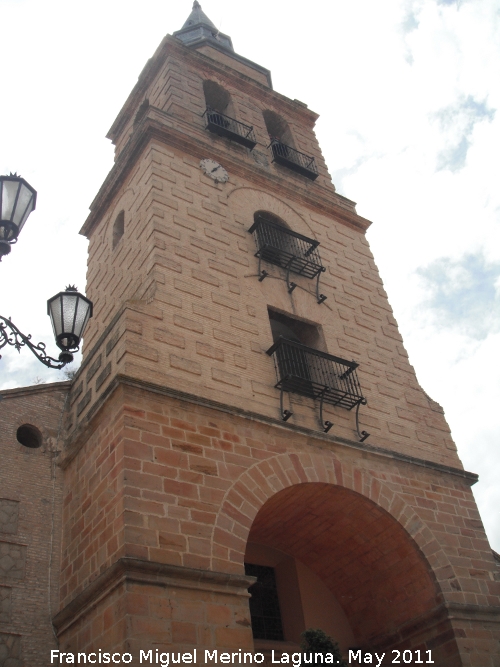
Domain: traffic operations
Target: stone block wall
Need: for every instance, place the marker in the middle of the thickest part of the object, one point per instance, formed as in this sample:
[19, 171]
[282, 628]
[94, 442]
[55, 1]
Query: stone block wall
[178, 303]
[164, 481]
[160, 608]
[173, 84]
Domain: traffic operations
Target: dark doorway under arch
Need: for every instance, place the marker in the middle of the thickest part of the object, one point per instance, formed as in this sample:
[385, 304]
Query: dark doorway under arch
[362, 555]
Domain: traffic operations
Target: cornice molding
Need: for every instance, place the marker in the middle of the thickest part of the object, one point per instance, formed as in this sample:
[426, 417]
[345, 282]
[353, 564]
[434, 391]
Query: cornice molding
[158, 125]
[152, 573]
[445, 612]
[35, 389]
[149, 573]
[83, 431]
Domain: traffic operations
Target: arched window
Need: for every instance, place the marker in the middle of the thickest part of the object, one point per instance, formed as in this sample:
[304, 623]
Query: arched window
[271, 217]
[283, 147]
[118, 228]
[220, 116]
[279, 245]
[277, 128]
[217, 98]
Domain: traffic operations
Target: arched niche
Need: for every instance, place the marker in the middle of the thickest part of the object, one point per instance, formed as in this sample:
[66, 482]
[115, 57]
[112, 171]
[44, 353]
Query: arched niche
[118, 228]
[278, 128]
[217, 98]
[255, 200]
[271, 217]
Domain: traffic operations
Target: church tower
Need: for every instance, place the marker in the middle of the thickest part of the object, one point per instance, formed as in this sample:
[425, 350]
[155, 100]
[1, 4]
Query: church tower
[246, 408]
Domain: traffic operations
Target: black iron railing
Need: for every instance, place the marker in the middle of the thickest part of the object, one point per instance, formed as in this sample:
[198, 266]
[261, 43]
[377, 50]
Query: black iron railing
[225, 126]
[293, 159]
[294, 252]
[309, 372]
[280, 246]
[318, 375]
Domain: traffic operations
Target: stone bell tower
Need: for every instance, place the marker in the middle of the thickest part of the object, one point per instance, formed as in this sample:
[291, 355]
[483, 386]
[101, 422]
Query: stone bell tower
[246, 407]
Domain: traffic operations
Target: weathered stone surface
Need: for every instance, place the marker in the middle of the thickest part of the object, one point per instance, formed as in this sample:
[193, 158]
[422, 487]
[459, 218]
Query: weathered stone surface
[12, 561]
[5, 604]
[9, 516]
[10, 651]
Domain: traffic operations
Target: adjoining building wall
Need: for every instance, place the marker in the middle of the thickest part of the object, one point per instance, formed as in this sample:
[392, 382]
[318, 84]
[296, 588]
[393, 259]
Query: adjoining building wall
[30, 523]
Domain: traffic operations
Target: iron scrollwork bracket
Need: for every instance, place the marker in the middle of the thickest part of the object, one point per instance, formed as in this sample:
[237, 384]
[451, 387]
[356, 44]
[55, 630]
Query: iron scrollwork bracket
[325, 425]
[261, 272]
[285, 414]
[10, 335]
[290, 286]
[362, 435]
[320, 298]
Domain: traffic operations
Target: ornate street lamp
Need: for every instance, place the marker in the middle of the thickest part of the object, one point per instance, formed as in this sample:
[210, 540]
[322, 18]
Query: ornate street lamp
[17, 200]
[69, 313]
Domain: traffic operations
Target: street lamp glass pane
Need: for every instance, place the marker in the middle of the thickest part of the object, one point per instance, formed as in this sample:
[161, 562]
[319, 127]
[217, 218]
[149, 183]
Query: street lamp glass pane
[24, 206]
[82, 317]
[8, 198]
[55, 313]
[70, 303]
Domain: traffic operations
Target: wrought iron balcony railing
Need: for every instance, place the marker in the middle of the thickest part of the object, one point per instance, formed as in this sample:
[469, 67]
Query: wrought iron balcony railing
[293, 159]
[294, 252]
[318, 375]
[225, 126]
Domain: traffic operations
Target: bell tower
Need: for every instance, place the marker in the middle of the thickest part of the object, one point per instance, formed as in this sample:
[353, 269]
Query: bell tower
[246, 407]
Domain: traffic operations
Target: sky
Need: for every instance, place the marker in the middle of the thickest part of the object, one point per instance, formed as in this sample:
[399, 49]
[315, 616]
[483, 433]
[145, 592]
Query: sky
[408, 93]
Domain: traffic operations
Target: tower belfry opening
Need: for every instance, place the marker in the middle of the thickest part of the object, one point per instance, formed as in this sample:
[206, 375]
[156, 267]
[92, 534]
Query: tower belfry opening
[221, 413]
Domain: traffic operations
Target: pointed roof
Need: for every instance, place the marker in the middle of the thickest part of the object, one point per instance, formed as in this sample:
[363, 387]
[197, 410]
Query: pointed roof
[199, 28]
[198, 16]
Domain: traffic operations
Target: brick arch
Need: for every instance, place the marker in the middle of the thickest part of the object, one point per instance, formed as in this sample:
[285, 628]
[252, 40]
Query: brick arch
[252, 200]
[366, 544]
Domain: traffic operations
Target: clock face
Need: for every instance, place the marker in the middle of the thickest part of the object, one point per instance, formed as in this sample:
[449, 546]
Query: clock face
[214, 170]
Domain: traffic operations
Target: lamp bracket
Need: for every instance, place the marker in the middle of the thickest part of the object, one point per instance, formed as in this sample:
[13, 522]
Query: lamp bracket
[10, 335]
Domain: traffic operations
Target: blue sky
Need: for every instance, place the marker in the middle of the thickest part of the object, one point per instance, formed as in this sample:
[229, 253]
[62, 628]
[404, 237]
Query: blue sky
[408, 93]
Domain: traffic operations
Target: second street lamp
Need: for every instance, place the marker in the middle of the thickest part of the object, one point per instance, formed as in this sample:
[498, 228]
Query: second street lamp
[69, 313]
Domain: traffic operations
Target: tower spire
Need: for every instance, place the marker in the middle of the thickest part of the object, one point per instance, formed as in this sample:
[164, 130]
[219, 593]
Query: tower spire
[199, 28]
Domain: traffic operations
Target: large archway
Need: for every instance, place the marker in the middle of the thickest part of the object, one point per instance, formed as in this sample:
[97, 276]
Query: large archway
[366, 523]
[363, 556]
